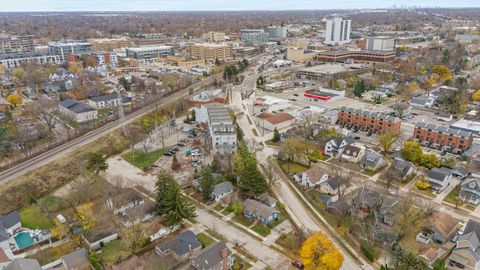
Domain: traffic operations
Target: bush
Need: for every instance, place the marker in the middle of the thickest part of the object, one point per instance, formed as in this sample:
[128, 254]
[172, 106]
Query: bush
[369, 253]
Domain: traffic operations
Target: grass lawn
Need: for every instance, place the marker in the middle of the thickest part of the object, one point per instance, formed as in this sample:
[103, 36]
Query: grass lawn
[32, 217]
[240, 264]
[369, 172]
[205, 239]
[294, 167]
[427, 192]
[218, 208]
[245, 253]
[143, 160]
[261, 229]
[452, 196]
[245, 222]
[255, 132]
[226, 211]
[271, 143]
[52, 254]
[113, 252]
[289, 242]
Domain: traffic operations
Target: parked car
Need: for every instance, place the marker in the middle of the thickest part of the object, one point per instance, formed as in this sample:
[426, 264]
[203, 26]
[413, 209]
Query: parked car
[295, 95]
[180, 144]
[298, 264]
[169, 154]
[196, 154]
[292, 99]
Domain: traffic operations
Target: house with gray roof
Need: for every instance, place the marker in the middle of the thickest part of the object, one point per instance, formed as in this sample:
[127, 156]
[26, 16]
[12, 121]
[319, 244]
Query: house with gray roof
[78, 111]
[439, 178]
[4, 238]
[372, 161]
[470, 191]
[366, 201]
[403, 168]
[181, 246]
[214, 257]
[23, 264]
[461, 173]
[335, 146]
[466, 254]
[77, 260]
[221, 190]
[98, 237]
[105, 101]
[11, 222]
[334, 185]
[253, 209]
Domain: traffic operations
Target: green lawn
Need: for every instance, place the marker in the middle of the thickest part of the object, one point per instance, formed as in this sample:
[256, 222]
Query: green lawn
[255, 132]
[226, 211]
[218, 208]
[143, 160]
[240, 264]
[427, 192]
[205, 239]
[261, 229]
[294, 167]
[370, 172]
[452, 196]
[245, 222]
[52, 254]
[113, 252]
[289, 242]
[32, 217]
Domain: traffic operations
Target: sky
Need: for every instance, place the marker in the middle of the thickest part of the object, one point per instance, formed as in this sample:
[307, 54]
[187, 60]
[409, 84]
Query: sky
[194, 5]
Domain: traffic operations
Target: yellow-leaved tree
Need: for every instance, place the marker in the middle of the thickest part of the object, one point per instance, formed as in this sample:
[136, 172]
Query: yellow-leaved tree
[319, 252]
[60, 230]
[14, 99]
[84, 215]
[476, 96]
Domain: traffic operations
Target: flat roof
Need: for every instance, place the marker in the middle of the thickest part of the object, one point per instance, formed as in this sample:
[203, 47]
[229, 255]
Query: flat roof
[467, 125]
[333, 68]
[150, 48]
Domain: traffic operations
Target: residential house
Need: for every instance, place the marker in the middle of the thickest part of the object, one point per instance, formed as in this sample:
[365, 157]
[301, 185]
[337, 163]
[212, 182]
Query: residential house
[353, 153]
[371, 122]
[444, 117]
[138, 213]
[129, 198]
[461, 173]
[339, 207]
[439, 178]
[181, 246]
[76, 260]
[4, 259]
[334, 185]
[388, 211]
[214, 257]
[253, 209]
[311, 177]
[156, 229]
[4, 239]
[336, 146]
[442, 137]
[403, 168]
[439, 228]
[77, 110]
[221, 190]
[372, 161]
[11, 222]
[23, 264]
[60, 81]
[267, 200]
[270, 121]
[465, 255]
[430, 256]
[96, 238]
[470, 191]
[380, 92]
[366, 201]
[423, 102]
[327, 200]
[105, 101]
[197, 183]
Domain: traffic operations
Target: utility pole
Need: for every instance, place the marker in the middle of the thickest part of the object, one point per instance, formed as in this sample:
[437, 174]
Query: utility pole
[121, 113]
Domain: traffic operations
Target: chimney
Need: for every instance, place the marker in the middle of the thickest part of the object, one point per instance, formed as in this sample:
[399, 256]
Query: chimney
[190, 249]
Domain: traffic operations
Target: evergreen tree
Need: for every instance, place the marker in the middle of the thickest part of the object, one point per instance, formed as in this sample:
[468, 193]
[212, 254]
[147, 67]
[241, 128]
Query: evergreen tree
[97, 163]
[178, 206]
[216, 165]
[207, 183]
[276, 135]
[251, 179]
[164, 180]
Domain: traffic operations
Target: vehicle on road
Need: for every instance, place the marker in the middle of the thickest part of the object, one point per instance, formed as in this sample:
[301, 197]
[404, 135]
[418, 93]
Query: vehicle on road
[295, 95]
[292, 99]
[298, 264]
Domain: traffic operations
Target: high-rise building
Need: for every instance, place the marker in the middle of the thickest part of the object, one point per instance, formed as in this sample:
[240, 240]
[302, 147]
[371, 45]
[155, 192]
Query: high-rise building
[380, 44]
[276, 32]
[253, 35]
[337, 31]
[17, 44]
[109, 44]
[211, 52]
[65, 48]
[214, 36]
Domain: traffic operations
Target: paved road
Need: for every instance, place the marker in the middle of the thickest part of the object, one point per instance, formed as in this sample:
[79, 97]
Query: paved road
[89, 137]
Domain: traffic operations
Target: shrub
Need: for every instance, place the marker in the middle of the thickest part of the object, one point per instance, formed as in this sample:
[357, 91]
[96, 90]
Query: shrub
[369, 253]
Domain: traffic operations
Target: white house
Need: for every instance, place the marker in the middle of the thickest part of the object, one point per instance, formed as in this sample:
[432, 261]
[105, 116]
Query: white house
[96, 238]
[11, 222]
[221, 190]
[311, 177]
[336, 146]
[439, 178]
[77, 110]
[122, 202]
[105, 101]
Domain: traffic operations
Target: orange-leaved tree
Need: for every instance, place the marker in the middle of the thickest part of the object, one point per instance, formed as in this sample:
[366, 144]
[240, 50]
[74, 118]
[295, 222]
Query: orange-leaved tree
[319, 252]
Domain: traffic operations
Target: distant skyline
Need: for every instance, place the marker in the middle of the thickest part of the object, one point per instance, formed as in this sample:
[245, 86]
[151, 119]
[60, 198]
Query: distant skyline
[203, 5]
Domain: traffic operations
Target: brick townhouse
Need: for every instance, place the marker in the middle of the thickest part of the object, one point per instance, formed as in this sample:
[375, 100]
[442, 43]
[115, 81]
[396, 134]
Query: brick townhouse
[372, 122]
[442, 137]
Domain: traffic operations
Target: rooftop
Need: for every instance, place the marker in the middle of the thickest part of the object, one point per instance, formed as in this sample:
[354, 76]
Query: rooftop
[443, 129]
[333, 68]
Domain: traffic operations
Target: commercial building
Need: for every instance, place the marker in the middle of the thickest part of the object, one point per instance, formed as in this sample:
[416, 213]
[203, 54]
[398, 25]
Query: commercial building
[371, 122]
[467, 125]
[276, 32]
[110, 44]
[65, 48]
[105, 58]
[277, 86]
[151, 39]
[220, 127]
[150, 54]
[78, 111]
[467, 38]
[211, 52]
[324, 95]
[214, 36]
[298, 51]
[16, 59]
[183, 62]
[367, 57]
[17, 44]
[442, 137]
[331, 71]
[380, 43]
[337, 31]
[253, 35]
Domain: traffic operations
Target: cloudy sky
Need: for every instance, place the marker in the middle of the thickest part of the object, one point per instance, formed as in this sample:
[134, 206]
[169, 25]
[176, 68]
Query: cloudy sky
[182, 5]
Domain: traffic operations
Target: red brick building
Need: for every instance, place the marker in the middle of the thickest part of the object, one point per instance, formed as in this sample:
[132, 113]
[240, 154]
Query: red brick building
[442, 137]
[372, 122]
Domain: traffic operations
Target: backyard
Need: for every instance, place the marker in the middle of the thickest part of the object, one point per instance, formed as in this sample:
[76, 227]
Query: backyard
[113, 252]
[205, 239]
[33, 217]
[143, 160]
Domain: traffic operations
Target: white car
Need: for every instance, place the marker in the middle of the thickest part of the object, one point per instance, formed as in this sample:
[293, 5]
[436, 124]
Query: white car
[196, 154]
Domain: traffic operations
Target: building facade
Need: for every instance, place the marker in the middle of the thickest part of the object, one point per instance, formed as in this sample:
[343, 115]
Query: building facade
[110, 44]
[15, 60]
[65, 48]
[17, 44]
[337, 31]
[276, 32]
[442, 137]
[380, 44]
[214, 36]
[150, 54]
[253, 35]
[362, 56]
[372, 122]
[211, 52]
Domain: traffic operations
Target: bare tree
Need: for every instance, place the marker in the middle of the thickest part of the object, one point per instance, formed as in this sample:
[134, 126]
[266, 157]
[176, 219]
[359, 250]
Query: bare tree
[43, 109]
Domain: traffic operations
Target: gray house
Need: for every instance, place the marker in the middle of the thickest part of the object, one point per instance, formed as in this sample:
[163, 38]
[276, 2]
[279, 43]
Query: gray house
[181, 246]
[256, 210]
[221, 190]
[439, 178]
[23, 264]
[214, 257]
[470, 191]
[403, 168]
[336, 146]
[372, 161]
[465, 254]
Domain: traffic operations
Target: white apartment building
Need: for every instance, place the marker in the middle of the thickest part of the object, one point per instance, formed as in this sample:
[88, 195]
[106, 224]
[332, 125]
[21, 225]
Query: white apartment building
[220, 127]
[380, 43]
[337, 31]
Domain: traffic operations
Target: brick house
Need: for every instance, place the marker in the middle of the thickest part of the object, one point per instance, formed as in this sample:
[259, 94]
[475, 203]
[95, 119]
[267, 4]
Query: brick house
[372, 122]
[442, 137]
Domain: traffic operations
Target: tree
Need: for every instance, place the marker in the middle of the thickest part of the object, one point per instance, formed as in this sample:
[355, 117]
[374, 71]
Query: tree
[250, 179]
[216, 165]
[319, 252]
[386, 141]
[133, 236]
[399, 108]
[75, 67]
[207, 183]
[59, 230]
[84, 215]
[14, 99]
[476, 96]
[125, 83]
[276, 135]
[411, 214]
[359, 88]
[97, 163]
[443, 71]
[429, 161]
[439, 265]
[412, 151]
[43, 109]
[175, 164]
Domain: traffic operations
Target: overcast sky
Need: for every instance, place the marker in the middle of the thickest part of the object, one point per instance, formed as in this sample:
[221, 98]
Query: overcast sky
[185, 5]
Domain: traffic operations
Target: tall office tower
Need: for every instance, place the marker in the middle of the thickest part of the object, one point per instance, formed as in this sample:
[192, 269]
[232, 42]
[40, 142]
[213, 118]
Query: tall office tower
[337, 31]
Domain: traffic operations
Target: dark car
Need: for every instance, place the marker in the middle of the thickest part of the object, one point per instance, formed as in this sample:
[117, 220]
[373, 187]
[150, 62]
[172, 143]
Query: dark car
[180, 144]
[295, 95]
[298, 264]
[168, 154]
